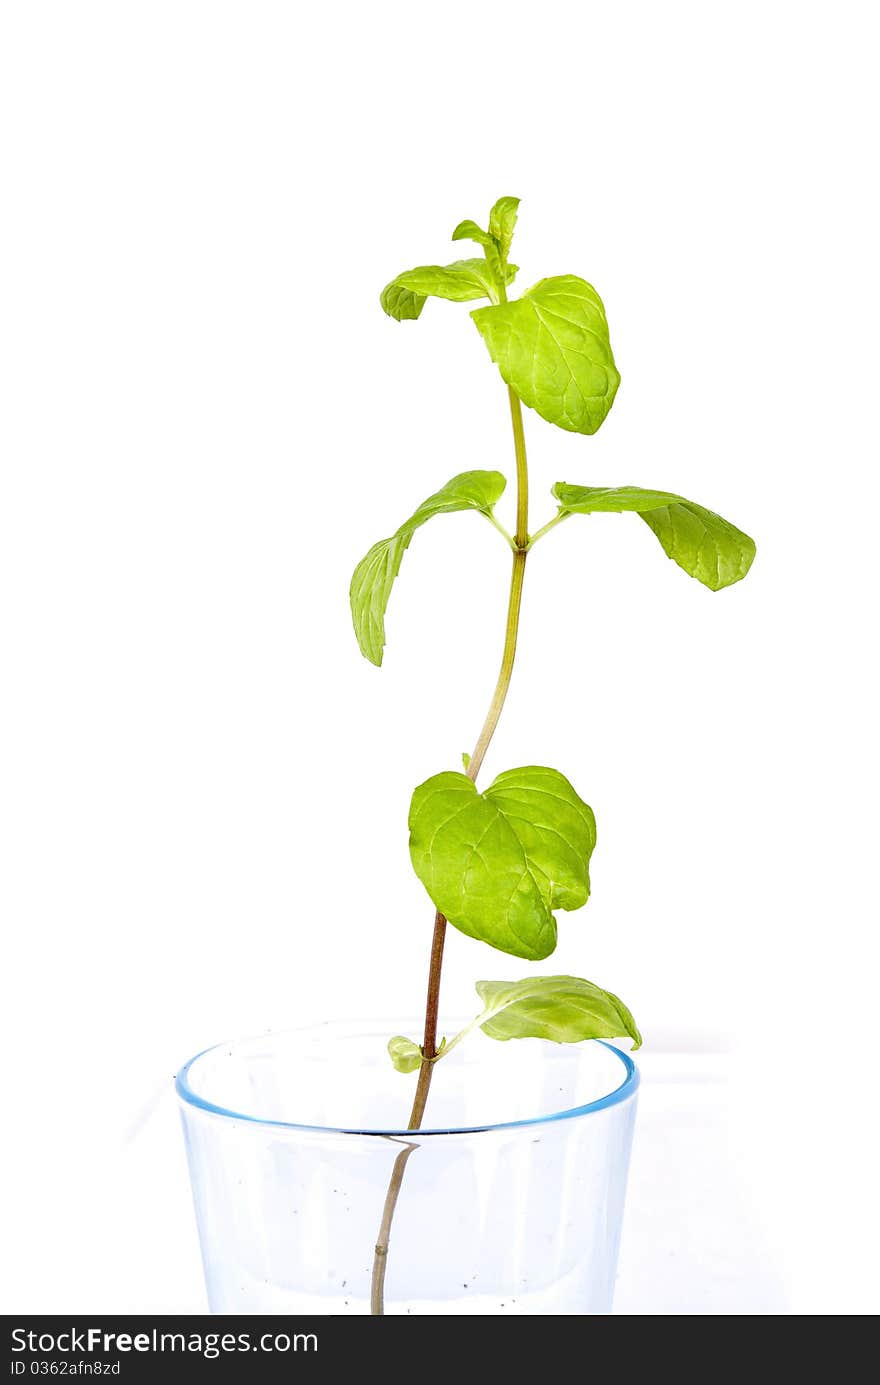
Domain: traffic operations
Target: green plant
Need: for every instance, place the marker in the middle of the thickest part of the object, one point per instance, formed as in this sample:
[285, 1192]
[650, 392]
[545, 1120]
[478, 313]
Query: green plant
[498, 864]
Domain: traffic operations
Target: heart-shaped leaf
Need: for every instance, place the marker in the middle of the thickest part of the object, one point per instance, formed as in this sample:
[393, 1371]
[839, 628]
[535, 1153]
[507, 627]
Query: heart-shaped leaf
[702, 543]
[498, 863]
[374, 575]
[565, 1009]
[552, 348]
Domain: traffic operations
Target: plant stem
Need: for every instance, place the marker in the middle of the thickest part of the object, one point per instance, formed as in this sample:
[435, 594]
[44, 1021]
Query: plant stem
[380, 1255]
[522, 472]
[429, 1044]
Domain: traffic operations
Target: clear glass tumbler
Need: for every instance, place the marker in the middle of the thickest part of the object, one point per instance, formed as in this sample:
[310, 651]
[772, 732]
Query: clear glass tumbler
[511, 1196]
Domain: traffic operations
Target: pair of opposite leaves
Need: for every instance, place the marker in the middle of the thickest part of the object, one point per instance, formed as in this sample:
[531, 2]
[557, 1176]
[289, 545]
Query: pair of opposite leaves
[496, 865]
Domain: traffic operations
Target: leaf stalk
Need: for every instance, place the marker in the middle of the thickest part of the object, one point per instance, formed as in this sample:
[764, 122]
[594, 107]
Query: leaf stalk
[545, 529]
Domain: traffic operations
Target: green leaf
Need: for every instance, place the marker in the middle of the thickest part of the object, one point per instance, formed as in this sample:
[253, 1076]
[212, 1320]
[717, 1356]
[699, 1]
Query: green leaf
[502, 220]
[375, 573]
[552, 348]
[702, 543]
[404, 1054]
[564, 1009]
[400, 303]
[460, 282]
[497, 863]
[469, 230]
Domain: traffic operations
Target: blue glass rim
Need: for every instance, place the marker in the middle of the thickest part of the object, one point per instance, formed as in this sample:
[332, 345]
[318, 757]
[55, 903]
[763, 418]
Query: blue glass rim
[628, 1088]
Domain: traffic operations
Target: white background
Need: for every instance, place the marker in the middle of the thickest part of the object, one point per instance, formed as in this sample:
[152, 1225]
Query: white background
[207, 420]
